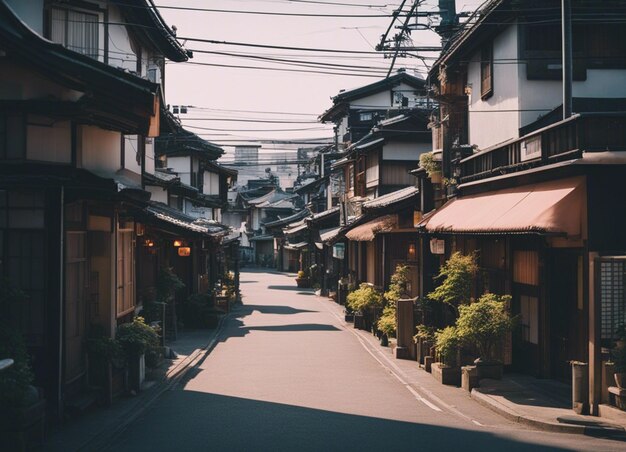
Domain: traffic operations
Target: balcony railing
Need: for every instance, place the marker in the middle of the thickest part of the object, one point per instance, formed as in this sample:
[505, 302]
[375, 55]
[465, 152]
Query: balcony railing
[567, 139]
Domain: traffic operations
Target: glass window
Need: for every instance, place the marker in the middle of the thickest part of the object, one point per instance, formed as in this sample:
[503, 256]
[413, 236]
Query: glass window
[612, 296]
[486, 71]
[529, 307]
[76, 30]
[366, 116]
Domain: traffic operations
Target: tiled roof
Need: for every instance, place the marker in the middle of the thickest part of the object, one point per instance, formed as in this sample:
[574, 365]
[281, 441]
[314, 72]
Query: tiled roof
[391, 198]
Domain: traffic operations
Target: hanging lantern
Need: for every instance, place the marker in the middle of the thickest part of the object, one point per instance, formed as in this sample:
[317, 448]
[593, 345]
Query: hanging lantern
[178, 243]
[184, 251]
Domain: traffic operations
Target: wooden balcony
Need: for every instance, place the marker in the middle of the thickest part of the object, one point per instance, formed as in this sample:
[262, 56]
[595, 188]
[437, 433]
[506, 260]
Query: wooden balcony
[565, 140]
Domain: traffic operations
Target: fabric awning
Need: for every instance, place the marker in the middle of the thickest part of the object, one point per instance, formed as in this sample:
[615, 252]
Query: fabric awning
[367, 231]
[548, 207]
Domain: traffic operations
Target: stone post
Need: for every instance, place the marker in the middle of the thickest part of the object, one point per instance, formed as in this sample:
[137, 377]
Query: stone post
[405, 327]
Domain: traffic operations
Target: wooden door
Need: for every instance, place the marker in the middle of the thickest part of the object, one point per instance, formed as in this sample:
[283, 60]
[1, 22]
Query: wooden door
[75, 305]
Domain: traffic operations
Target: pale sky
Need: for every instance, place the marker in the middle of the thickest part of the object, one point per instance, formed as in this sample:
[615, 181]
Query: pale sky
[297, 97]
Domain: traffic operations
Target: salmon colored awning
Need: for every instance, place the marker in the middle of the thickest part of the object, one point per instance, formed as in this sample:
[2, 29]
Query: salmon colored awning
[548, 207]
[367, 231]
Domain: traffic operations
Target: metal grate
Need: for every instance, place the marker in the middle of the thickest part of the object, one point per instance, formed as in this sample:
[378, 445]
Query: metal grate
[612, 301]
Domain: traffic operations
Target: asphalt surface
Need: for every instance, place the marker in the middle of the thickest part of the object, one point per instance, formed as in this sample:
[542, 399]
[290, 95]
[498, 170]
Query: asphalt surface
[288, 374]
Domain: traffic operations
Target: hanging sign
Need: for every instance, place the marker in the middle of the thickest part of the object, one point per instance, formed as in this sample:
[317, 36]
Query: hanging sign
[437, 246]
[339, 250]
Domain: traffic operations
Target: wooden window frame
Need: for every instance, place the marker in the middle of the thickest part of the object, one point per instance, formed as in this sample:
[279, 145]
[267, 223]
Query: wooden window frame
[486, 71]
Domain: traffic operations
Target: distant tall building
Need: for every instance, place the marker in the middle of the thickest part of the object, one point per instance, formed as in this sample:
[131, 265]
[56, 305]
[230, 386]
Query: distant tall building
[248, 154]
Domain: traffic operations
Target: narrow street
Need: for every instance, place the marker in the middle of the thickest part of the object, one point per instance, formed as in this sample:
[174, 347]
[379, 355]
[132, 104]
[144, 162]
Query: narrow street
[289, 374]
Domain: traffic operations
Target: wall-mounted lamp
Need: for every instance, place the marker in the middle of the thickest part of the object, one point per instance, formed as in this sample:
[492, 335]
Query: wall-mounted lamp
[412, 251]
[178, 243]
[184, 251]
[149, 243]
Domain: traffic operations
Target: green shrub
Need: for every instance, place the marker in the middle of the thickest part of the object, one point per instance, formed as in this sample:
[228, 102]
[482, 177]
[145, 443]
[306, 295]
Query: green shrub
[619, 359]
[200, 312]
[364, 298]
[15, 380]
[426, 333]
[398, 288]
[107, 348]
[484, 323]
[137, 337]
[428, 162]
[387, 322]
[167, 285]
[456, 274]
[448, 343]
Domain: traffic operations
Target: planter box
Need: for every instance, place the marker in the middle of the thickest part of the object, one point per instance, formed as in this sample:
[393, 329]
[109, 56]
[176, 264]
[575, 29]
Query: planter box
[23, 429]
[446, 375]
[359, 321]
[428, 363]
[469, 378]
[492, 370]
[303, 283]
[137, 371]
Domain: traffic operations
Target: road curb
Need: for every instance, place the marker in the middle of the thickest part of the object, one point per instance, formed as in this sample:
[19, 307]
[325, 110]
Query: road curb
[101, 440]
[538, 424]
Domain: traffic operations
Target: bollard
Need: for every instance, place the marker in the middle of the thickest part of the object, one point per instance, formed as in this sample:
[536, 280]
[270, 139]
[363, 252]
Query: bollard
[580, 387]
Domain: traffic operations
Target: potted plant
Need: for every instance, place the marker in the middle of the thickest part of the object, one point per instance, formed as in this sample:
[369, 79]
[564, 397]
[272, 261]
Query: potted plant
[424, 340]
[483, 324]
[446, 370]
[136, 338]
[432, 167]
[619, 366]
[387, 324]
[456, 276]
[302, 280]
[22, 410]
[364, 301]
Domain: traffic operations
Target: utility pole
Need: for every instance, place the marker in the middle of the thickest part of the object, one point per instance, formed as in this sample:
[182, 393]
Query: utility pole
[566, 33]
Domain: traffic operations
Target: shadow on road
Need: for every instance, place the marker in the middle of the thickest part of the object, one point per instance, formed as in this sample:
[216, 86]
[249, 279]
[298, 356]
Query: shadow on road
[294, 327]
[190, 420]
[248, 309]
[293, 288]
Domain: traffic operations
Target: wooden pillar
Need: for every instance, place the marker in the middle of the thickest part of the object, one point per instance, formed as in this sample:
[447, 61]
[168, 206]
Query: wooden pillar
[595, 358]
[544, 312]
[405, 327]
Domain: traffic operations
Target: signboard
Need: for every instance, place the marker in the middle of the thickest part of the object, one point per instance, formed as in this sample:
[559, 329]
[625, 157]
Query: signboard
[437, 246]
[339, 250]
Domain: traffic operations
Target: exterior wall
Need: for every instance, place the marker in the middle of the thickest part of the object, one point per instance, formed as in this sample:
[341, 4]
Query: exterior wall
[405, 151]
[47, 141]
[211, 183]
[505, 95]
[158, 194]
[149, 166]
[17, 83]
[182, 167]
[132, 161]
[197, 211]
[30, 12]
[99, 150]
[121, 52]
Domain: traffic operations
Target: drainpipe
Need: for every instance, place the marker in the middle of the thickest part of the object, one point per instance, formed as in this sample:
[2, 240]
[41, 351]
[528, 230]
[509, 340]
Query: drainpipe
[566, 31]
[61, 304]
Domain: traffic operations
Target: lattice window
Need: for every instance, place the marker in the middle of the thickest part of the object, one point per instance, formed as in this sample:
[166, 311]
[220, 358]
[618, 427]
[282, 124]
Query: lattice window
[612, 296]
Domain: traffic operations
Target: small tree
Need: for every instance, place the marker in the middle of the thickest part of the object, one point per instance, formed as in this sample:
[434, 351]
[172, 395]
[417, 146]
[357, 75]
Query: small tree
[428, 162]
[167, 285]
[137, 337]
[485, 323]
[448, 343]
[456, 275]
[398, 288]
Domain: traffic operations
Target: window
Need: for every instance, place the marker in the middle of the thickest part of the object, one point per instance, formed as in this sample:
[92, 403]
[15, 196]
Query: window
[486, 71]
[529, 310]
[368, 116]
[76, 30]
[125, 272]
[12, 137]
[612, 296]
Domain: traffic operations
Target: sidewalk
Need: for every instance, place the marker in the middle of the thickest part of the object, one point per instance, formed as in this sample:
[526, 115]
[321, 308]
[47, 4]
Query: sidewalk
[531, 402]
[545, 405]
[95, 429]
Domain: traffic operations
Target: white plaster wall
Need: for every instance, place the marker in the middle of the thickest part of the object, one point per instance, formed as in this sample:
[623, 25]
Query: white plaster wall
[197, 211]
[121, 53]
[405, 151]
[131, 148]
[157, 193]
[487, 126]
[182, 167]
[49, 142]
[378, 100]
[30, 12]
[211, 183]
[150, 165]
[100, 150]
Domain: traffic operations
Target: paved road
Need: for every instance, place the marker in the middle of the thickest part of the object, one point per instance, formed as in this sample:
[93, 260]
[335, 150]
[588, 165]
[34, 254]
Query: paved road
[288, 374]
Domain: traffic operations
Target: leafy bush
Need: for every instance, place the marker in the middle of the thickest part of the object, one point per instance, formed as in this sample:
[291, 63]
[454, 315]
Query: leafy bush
[428, 162]
[301, 274]
[364, 298]
[15, 380]
[457, 274]
[200, 312]
[398, 287]
[167, 284]
[448, 343]
[387, 322]
[619, 359]
[137, 337]
[426, 333]
[108, 348]
[485, 323]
